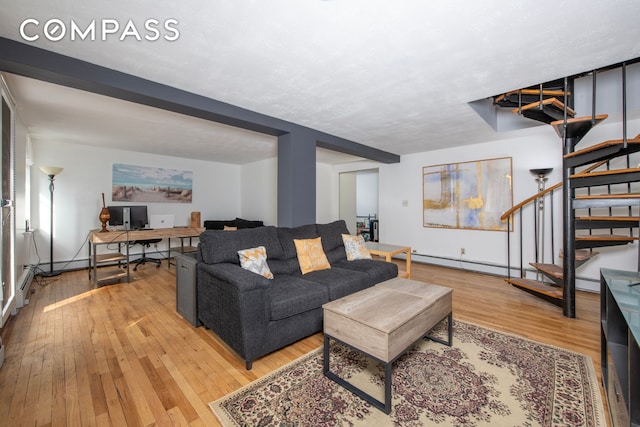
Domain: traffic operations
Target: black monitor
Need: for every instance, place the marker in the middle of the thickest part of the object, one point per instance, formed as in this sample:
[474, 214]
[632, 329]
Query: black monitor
[137, 216]
[115, 215]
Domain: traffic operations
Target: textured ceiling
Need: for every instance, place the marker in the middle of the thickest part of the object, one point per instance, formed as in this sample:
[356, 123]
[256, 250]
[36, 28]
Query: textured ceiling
[395, 75]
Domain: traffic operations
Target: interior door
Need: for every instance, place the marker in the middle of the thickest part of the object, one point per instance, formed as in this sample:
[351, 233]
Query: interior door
[7, 231]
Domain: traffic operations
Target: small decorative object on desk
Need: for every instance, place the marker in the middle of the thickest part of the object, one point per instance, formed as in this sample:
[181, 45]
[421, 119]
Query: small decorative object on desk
[104, 216]
[195, 219]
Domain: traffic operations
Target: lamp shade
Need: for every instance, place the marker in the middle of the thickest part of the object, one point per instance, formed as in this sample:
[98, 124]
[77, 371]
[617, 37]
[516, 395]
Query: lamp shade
[51, 170]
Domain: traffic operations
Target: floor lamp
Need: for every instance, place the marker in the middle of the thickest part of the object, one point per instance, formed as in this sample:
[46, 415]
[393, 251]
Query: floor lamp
[51, 172]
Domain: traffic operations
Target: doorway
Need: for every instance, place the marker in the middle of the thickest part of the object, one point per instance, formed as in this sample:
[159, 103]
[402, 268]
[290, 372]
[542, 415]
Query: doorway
[359, 196]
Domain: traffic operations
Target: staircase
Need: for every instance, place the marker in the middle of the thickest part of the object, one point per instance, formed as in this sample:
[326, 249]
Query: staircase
[599, 207]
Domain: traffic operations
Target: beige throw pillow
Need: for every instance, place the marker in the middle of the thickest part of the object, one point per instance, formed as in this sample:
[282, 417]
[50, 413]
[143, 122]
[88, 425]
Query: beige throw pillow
[355, 248]
[311, 256]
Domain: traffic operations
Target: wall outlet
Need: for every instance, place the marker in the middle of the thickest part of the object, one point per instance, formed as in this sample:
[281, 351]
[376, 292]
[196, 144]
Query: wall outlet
[462, 251]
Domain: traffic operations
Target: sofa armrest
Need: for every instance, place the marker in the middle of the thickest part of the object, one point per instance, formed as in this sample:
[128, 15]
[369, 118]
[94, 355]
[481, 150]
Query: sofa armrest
[233, 303]
[233, 274]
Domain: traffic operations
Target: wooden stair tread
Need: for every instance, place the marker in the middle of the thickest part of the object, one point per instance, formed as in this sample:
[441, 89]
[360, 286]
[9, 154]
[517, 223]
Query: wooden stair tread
[582, 121]
[582, 254]
[550, 92]
[549, 102]
[609, 196]
[610, 237]
[607, 218]
[602, 145]
[529, 92]
[537, 287]
[610, 172]
[549, 269]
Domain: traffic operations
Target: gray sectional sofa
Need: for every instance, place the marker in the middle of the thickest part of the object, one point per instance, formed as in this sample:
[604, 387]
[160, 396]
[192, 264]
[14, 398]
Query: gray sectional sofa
[255, 315]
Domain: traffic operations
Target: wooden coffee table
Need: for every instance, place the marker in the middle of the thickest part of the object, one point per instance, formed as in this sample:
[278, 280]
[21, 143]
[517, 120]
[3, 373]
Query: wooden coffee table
[383, 322]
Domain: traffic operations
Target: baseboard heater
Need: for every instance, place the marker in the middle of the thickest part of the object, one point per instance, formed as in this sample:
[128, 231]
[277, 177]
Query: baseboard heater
[24, 286]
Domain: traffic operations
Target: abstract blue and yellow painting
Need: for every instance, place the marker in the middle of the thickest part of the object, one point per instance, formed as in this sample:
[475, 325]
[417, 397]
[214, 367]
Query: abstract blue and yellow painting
[469, 195]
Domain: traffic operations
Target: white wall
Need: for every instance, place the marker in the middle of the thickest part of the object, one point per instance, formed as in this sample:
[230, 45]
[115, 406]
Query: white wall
[260, 192]
[348, 200]
[487, 250]
[223, 191]
[325, 209]
[220, 191]
[87, 174]
[259, 188]
[403, 182]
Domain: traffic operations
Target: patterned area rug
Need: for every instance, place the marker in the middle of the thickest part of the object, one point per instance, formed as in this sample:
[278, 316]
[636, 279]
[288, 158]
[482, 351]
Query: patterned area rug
[487, 378]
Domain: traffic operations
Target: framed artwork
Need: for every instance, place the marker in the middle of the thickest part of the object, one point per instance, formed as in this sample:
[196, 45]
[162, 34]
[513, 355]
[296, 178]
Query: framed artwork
[467, 195]
[131, 183]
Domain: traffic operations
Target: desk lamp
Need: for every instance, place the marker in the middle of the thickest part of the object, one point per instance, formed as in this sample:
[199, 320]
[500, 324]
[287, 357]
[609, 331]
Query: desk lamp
[51, 172]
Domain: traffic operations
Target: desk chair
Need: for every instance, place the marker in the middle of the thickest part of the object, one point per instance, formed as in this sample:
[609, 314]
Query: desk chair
[143, 259]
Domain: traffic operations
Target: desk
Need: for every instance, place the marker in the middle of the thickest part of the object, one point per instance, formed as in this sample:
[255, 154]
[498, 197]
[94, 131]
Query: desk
[96, 237]
[388, 251]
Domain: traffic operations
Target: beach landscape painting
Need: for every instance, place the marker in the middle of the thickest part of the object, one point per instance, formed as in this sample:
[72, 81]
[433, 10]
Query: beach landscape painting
[132, 183]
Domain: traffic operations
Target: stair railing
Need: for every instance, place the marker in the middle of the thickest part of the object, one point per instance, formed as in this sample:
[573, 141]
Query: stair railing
[545, 196]
[518, 211]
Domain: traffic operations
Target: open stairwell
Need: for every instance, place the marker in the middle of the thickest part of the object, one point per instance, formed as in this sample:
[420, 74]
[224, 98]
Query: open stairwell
[600, 206]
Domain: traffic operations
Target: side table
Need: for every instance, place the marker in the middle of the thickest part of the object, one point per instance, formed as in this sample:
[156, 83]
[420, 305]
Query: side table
[388, 251]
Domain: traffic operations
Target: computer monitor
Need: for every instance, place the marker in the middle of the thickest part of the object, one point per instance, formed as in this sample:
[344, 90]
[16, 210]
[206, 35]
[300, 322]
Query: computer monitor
[115, 215]
[138, 217]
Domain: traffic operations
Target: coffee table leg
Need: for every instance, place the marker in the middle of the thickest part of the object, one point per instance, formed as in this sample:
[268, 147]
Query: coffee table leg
[386, 406]
[449, 332]
[387, 387]
[325, 363]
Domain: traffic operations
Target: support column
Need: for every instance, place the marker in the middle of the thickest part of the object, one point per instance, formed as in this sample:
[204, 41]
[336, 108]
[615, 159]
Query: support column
[296, 178]
[569, 237]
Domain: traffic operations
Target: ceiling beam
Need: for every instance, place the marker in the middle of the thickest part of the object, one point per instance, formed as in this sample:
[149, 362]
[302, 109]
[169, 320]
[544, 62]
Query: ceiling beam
[30, 61]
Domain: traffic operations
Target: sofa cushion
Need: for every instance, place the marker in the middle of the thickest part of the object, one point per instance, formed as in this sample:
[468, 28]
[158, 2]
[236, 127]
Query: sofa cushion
[255, 260]
[339, 281]
[284, 266]
[218, 246]
[310, 254]
[332, 239]
[377, 270]
[287, 235]
[291, 295]
[332, 234]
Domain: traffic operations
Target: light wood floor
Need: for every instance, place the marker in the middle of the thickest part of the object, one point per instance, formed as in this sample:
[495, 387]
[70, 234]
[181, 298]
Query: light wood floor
[121, 355]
